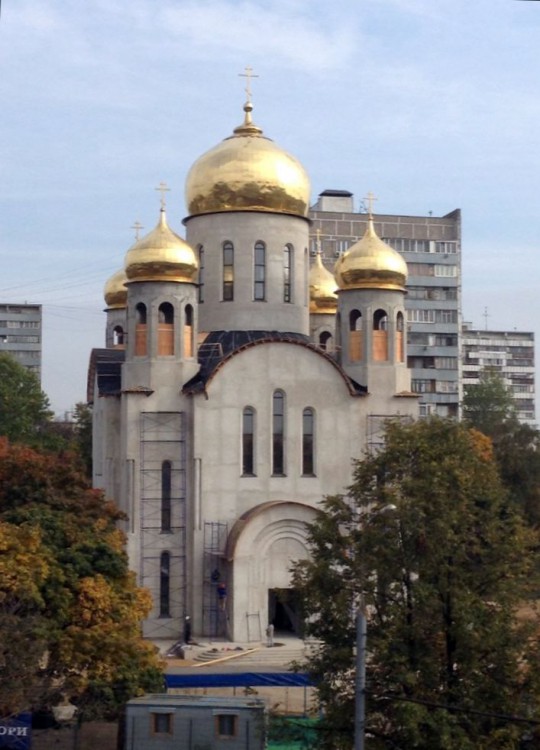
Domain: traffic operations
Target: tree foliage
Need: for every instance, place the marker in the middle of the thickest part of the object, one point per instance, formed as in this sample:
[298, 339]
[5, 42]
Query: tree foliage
[65, 583]
[427, 536]
[488, 406]
[24, 408]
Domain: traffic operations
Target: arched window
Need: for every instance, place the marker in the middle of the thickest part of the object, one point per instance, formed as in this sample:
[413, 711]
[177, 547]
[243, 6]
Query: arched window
[200, 250]
[228, 271]
[380, 336]
[355, 336]
[188, 331]
[165, 330]
[278, 434]
[248, 441]
[140, 330]
[287, 273]
[400, 339]
[308, 442]
[165, 584]
[118, 336]
[259, 271]
[166, 484]
[325, 341]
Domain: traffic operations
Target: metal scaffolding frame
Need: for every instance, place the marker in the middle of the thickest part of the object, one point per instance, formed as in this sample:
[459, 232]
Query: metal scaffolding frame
[163, 438]
[215, 620]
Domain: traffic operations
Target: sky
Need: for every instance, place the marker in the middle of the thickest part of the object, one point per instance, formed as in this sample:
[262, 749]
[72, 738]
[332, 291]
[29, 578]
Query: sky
[430, 105]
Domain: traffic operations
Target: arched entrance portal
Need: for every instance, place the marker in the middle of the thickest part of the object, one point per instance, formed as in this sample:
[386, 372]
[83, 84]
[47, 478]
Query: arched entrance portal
[261, 548]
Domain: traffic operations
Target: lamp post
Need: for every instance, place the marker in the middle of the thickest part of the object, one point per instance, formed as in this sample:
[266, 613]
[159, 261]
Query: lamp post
[361, 646]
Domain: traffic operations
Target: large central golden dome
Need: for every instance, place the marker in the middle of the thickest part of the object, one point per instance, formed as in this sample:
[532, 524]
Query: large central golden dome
[247, 172]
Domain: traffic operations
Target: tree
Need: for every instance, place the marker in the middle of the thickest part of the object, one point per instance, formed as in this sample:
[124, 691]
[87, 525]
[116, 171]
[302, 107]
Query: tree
[427, 537]
[24, 408]
[65, 582]
[488, 404]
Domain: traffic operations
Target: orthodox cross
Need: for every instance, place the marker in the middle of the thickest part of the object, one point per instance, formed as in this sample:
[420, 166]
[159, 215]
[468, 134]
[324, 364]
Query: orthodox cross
[163, 189]
[370, 198]
[137, 227]
[248, 75]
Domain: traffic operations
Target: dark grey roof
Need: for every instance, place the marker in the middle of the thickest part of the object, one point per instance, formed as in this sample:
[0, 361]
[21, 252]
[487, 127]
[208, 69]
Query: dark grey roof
[219, 346]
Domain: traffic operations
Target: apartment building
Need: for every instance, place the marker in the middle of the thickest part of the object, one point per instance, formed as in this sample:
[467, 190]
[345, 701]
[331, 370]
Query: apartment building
[431, 246]
[21, 334]
[511, 354]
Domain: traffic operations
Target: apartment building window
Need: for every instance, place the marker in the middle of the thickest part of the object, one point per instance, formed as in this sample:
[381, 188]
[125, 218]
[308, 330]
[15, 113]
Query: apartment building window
[445, 270]
[423, 386]
[446, 248]
[421, 316]
[228, 271]
[446, 363]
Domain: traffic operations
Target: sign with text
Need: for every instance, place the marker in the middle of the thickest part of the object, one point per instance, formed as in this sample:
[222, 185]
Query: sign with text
[16, 732]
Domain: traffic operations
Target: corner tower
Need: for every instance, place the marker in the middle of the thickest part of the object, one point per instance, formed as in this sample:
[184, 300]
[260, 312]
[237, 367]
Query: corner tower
[248, 202]
[370, 326]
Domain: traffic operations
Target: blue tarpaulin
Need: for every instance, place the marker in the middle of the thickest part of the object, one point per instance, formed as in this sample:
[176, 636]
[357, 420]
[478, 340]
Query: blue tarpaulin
[237, 679]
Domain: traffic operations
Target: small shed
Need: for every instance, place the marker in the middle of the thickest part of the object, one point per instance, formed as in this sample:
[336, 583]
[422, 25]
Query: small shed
[194, 722]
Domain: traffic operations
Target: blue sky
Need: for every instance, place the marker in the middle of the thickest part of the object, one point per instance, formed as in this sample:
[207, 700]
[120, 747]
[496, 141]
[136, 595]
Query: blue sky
[431, 104]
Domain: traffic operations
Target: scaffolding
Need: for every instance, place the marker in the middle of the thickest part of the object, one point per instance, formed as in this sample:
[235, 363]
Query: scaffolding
[215, 620]
[163, 441]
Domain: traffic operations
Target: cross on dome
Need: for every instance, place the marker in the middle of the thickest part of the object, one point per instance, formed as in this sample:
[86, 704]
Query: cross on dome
[248, 75]
[163, 189]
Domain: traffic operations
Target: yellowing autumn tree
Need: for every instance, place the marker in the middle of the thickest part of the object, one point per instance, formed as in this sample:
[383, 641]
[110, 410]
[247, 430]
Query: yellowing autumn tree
[66, 591]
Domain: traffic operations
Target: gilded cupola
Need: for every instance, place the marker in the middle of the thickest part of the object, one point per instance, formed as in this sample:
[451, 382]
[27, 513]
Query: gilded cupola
[322, 287]
[371, 264]
[161, 255]
[115, 292]
[247, 172]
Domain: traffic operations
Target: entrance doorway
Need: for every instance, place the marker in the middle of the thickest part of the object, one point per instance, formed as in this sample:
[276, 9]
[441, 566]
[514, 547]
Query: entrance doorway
[284, 611]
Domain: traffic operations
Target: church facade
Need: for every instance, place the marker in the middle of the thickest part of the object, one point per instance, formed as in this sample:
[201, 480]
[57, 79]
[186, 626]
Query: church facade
[237, 386]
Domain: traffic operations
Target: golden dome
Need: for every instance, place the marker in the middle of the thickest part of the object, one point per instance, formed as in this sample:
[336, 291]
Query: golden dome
[322, 288]
[161, 255]
[115, 292]
[247, 172]
[371, 264]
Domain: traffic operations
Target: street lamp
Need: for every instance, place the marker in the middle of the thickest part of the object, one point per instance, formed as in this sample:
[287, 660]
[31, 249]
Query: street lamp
[361, 645]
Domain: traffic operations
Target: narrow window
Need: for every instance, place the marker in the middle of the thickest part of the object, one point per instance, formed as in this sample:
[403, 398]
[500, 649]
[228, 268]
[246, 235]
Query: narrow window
[248, 448]
[188, 331]
[140, 330]
[380, 336]
[287, 273]
[325, 341]
[308, 444]
[355, 336]
[165, 585]
[201, 273]
[278, 434]
[118, 336]
[165, 329]
[400, 341]
[259, 291]
[166, 483]
[228, 271]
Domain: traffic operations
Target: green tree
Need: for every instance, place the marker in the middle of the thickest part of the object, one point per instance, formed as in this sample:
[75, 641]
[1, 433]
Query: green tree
[65, 567]
[488, 404]
[443, 562]
[83, 435]
[24, 408]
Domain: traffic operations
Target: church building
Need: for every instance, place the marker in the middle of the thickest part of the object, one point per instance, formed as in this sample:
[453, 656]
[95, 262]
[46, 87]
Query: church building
[239, 381]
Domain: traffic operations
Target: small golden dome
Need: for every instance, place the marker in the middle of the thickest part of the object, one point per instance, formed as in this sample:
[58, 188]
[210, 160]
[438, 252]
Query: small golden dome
[247, 172]
[371, 264]
[161, 255]
[115, 292]
[322, 288]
